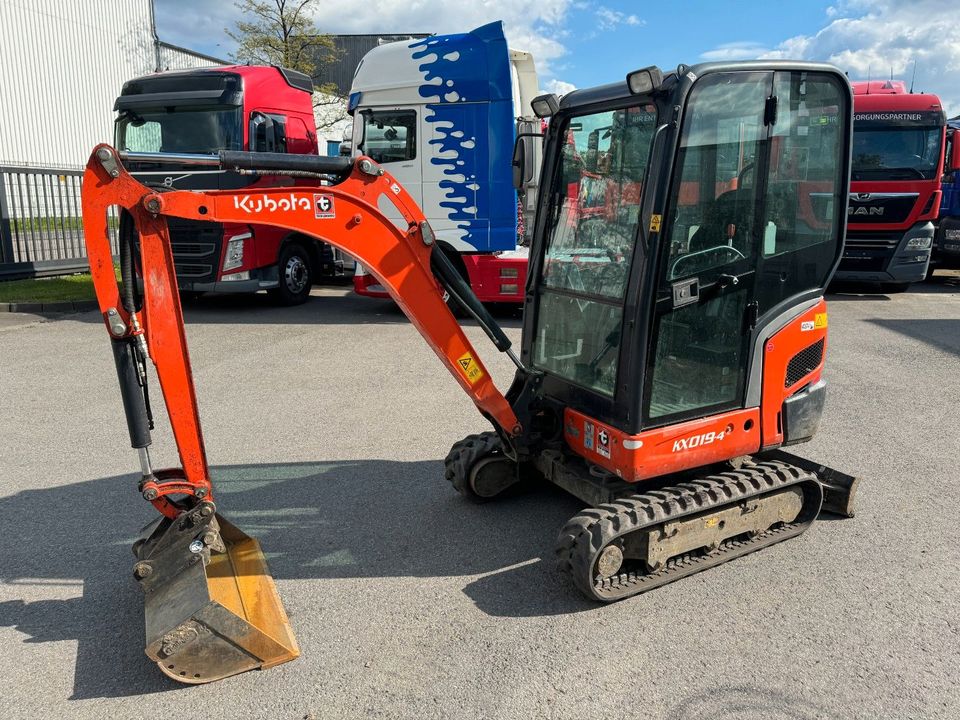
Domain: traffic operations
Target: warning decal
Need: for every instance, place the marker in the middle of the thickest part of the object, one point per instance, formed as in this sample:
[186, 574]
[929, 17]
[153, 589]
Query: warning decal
[655, 221]
[820, 320]
[470, 369]
[603, 443]
[323, 206]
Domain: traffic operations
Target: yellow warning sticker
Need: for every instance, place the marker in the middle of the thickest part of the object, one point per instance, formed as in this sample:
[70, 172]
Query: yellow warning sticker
[820, 321]
[655, 221]
[470, 369]
[712, 522]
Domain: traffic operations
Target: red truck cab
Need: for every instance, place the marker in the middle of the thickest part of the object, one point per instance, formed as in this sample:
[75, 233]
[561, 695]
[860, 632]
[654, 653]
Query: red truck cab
[898, 140]
[240, 107]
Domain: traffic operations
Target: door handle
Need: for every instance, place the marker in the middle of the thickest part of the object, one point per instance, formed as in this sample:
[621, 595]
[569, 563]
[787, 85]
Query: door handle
[725, 280]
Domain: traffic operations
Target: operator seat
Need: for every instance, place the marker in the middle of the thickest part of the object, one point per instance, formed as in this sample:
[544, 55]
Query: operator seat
[734, 207]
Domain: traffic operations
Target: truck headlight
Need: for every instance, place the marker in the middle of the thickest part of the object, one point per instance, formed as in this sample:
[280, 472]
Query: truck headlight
[233, 257]
[918, 243]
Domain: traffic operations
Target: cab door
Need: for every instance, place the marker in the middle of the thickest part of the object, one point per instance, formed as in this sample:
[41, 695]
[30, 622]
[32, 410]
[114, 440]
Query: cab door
[392, 138]
[753, 222]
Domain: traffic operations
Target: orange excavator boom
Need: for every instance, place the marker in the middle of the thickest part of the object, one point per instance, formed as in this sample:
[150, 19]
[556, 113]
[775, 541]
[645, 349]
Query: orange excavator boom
[212, 619]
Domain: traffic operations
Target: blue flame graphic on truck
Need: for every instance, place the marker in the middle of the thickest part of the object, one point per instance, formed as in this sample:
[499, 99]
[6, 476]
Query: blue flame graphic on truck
[467, 88]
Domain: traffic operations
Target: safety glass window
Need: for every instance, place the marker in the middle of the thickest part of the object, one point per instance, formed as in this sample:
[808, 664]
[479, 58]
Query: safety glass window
[715, 201]
[596, 200]
[390, 136]
[706, 271]
[805, 190]
[594, 205]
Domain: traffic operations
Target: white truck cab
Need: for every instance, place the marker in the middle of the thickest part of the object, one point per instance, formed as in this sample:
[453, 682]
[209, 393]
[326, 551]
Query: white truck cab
[441, 114]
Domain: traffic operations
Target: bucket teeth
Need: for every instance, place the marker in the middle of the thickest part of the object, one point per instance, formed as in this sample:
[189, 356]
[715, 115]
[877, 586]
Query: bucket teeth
[211, 608]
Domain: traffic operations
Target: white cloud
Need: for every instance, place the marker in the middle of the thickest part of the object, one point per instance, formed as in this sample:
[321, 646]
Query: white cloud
[880, 37]
[537, 28]
[532, 27]
[743, 50]
[608, 19]
[559, 87]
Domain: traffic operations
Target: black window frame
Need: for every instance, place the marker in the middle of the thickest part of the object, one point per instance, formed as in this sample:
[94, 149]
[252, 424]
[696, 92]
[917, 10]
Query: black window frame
[624, 302]
[410, 142]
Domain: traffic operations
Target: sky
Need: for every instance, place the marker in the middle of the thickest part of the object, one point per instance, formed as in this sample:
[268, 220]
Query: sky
[578, 43]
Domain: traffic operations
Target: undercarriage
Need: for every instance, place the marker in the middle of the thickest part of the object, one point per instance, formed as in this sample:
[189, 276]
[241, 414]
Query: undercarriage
[629, 542]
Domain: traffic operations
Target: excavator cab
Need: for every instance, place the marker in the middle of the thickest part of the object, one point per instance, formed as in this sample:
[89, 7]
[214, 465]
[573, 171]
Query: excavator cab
[661, 267]
[675, 313]
[674, 337]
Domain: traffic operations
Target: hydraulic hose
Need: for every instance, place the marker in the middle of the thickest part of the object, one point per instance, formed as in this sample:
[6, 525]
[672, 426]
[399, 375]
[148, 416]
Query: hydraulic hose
[463, 295]
[237, 160]
[127, 237]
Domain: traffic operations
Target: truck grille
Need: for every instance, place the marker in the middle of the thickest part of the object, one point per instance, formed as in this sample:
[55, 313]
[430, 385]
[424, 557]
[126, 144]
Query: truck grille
[196, 249]
[191, 249]
[193, 272]
[872, 239]
[880, 207]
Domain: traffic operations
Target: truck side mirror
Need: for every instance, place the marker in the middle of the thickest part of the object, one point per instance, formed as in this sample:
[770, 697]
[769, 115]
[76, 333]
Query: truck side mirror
[954, 157]
[524, 155]
[358, 142]
[519, 163]
[262, 135]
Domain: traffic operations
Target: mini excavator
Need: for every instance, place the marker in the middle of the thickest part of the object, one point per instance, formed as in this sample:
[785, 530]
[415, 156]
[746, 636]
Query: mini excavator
[674, 336]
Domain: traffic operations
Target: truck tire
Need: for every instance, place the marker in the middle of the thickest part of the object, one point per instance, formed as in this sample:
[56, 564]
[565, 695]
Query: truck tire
[295, 275]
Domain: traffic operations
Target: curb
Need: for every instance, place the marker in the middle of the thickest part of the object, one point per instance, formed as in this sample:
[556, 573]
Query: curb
[50, 307]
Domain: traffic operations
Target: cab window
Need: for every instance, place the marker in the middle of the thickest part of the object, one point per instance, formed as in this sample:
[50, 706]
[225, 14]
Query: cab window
[593, 211]
[390, 135]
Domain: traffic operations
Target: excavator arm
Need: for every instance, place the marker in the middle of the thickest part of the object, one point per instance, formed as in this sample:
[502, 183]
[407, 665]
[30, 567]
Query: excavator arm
[205, 625]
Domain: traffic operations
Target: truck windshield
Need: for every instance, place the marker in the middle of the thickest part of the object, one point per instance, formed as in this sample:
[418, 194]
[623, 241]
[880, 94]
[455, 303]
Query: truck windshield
[593, 211]
[895, 153]
[180, 130]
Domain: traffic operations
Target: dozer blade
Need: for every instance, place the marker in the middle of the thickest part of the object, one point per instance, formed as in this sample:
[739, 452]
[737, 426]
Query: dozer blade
[211, 607]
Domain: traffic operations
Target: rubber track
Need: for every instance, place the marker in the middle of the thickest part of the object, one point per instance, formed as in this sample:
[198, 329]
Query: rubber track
[589, 532]
[464, 455]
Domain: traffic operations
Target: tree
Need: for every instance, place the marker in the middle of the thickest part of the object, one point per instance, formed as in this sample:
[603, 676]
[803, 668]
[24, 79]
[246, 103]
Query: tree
[282, 32]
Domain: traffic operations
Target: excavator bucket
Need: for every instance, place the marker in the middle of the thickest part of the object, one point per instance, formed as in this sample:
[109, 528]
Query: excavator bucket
[211, 607]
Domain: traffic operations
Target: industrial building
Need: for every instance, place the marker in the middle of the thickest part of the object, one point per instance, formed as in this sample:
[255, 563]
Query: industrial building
[71, 59]
[62, 66]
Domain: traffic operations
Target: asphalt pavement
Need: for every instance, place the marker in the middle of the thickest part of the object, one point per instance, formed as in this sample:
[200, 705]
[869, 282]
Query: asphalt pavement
[326, 426]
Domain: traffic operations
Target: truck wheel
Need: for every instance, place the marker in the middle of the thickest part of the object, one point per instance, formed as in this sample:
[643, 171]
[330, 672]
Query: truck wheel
[295, 275]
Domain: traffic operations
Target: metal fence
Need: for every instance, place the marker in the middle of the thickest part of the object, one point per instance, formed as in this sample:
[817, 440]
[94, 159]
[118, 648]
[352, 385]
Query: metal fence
[41, 230]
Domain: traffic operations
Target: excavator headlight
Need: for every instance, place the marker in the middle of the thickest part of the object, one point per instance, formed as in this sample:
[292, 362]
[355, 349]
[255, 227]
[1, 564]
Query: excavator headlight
[645, 81]
[545, 106]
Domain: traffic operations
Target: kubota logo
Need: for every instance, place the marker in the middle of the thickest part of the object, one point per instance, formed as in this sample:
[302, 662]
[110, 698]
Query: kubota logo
[695, 441]
[254, 204]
